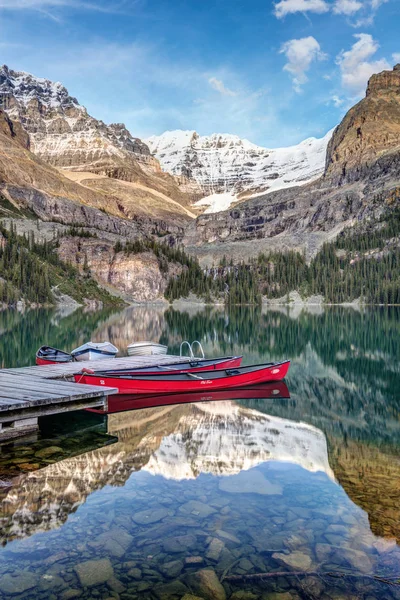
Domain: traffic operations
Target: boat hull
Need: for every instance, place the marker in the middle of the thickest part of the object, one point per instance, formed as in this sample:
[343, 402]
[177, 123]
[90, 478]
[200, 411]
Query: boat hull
[93, 355]
[46, 355]
[146, 349]
[94, 351]
[185, 382]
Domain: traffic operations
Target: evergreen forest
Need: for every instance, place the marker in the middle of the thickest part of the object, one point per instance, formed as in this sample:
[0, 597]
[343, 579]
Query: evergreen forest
[363, 262]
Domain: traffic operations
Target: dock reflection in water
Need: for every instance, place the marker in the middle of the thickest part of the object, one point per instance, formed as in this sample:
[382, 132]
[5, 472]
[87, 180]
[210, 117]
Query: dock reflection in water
[194, 498]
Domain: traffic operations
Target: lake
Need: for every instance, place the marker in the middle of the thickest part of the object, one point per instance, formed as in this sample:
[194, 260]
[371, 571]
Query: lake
[233, 497]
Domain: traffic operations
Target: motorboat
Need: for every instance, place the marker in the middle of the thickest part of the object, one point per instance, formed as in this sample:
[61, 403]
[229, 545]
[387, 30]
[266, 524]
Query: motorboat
[170, 383]
[94, 351]
[46, 355]
[146, 349]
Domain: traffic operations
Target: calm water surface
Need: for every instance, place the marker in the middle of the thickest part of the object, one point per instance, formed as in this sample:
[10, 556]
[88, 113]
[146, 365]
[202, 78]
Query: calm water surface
[268, 498]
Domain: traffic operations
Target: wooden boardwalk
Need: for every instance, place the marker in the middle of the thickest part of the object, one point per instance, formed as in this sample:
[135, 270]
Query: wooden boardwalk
[28, 393]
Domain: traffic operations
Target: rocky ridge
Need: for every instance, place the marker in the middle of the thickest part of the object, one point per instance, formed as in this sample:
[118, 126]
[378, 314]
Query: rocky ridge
[63, 134]
[224, 164]
[360, 180]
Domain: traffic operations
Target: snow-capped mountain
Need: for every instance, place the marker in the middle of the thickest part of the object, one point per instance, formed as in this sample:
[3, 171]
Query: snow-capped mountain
[61, 131]
[128, 180]
[229, 168]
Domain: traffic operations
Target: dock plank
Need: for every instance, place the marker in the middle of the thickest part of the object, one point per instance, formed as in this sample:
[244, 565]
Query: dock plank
[69, 369]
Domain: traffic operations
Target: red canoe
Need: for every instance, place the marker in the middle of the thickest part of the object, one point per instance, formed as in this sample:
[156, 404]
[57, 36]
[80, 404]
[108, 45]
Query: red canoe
[220, 379]
[46, 355]
[274, 390]
[190, 366]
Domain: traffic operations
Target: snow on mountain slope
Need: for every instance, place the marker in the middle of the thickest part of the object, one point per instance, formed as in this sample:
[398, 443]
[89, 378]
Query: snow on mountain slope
[229, 168]
[226, 438]
[61, 131]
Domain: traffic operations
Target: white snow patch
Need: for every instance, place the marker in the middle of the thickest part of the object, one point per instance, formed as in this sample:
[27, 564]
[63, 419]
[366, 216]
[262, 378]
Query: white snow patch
[217, 202]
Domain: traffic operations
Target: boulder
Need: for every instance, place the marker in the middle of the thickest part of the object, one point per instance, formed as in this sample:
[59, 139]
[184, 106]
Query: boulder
[145, 517]
[11, 585]
[94, 572]
[298, 561]
[206, 584]
[197, 508]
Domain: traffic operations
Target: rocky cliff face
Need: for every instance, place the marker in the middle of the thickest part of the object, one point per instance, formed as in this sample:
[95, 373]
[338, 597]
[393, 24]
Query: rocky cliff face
[64, 135]
[226, 164]
[136, 277]
[361, 178]
[369, 131]
[61, 131]
[30, 183]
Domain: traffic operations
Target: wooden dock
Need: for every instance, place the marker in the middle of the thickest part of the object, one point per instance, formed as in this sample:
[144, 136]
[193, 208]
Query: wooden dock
[67, 370]
[28, 393]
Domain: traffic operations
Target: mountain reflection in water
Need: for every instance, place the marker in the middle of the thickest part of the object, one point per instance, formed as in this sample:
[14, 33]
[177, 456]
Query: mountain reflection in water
[194, 495]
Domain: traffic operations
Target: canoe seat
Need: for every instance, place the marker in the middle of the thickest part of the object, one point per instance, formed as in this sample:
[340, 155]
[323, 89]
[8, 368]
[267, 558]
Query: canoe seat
[232, 372]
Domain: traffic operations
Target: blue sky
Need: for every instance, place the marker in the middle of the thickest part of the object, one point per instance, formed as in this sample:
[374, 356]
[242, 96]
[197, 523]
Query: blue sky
[273, 72]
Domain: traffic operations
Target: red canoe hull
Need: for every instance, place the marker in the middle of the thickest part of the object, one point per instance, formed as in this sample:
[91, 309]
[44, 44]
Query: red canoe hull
[166, 385]
[274, 390]
[41, 362]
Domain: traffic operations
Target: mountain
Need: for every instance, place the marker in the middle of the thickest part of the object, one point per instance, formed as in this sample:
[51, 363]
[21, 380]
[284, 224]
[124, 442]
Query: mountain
[228, 168]
[110, 161]
[361, 180]
[367, 142]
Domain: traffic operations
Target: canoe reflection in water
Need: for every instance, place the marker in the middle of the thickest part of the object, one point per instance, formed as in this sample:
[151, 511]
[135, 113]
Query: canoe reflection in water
[277, 390]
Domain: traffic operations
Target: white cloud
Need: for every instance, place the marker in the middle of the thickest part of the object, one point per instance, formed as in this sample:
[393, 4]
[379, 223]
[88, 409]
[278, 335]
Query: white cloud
[347, 7]
[375, 4]
[286, 7]
[44, 6]
[396, 57]
[336, 101]
[300, 54]
[355, 66]
[220, 87]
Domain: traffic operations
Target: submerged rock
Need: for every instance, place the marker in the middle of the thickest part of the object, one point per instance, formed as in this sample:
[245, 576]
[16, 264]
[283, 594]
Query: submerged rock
[135, 573]
[94, 572]
[244, 595]
[10, 585]
[145, 517]
[71, 594]
[358, 560]
[227, 537]
[214, 549]
[206, 583]
[298, 561]
[45, 452]
[170, 591]
[172, 568]
[249, 482]
[196, 508]
[180, 543]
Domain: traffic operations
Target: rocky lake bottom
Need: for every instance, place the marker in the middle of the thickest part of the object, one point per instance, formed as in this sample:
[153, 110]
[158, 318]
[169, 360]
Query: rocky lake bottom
[255, 499]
